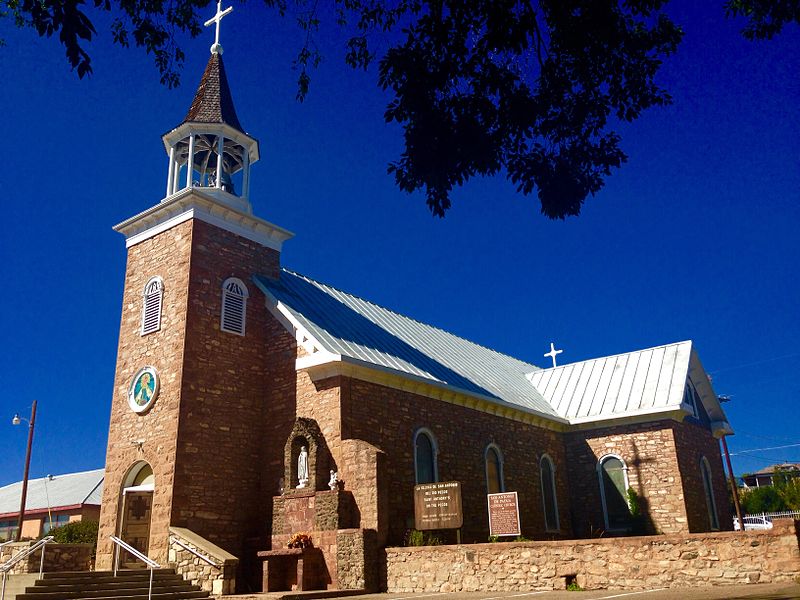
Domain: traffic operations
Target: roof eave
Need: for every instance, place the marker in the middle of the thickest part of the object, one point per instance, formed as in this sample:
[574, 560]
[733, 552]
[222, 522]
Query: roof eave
[325, 364]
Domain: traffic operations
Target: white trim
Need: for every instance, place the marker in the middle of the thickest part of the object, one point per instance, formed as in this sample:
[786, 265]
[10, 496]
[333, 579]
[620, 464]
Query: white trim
[628, 415]
[599, 469]
[193, 203]
[434, 449]
[184, 130]
[500, 466]
[552, 483]
[145, 487]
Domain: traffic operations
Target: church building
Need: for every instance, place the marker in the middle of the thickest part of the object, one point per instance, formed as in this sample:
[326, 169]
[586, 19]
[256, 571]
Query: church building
[230, 366]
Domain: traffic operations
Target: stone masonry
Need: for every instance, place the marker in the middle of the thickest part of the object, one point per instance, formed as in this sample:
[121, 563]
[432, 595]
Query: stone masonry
[674, 561]
[57, 557]
[658, 456]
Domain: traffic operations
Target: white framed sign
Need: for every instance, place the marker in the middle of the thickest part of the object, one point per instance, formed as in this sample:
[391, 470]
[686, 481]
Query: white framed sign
[503, 514]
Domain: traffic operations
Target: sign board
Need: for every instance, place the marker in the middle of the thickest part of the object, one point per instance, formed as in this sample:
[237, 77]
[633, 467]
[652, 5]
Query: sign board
[503, 514]
[438, 506]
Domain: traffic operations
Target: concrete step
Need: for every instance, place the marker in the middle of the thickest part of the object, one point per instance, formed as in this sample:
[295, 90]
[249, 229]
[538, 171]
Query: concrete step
[99, 580]
[102, 585]
[40, 587]
[102, 574]
[139, 595]
[82, 592]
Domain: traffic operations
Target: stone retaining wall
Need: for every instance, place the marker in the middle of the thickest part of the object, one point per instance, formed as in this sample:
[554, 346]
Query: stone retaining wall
[57, 557]
[218, 579]
[620, 563]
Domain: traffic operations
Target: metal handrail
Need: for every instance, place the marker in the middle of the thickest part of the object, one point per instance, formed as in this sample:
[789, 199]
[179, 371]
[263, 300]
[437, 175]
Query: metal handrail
[196, 553]
[151, 564]
[22, 554]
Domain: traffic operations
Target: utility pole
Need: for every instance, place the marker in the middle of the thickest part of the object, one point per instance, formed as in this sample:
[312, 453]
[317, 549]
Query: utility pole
[31, 423]
[734, 487]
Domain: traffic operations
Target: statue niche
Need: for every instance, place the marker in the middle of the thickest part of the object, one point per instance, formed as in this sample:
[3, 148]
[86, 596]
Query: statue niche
[307, 460]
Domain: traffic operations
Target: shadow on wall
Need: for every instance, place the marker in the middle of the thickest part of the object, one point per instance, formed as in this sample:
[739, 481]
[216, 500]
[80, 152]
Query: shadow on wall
[608, 498]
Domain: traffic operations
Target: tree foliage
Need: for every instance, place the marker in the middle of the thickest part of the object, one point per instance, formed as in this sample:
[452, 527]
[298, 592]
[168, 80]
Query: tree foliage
[77, 532]
[765, 18]
[762, 499]
[530, 89]
[787, 484]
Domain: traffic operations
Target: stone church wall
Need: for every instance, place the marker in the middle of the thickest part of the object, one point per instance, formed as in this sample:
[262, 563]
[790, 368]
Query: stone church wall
[387, 419]
[693, 442]
[649, 452]
[227, 424]
[166, 255]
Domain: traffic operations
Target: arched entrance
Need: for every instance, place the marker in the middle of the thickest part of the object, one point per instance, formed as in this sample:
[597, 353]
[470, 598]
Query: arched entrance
[137, 505]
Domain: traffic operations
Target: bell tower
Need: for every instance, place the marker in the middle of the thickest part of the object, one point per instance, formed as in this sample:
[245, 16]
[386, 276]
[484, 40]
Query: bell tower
[191, 399]
[210, 149]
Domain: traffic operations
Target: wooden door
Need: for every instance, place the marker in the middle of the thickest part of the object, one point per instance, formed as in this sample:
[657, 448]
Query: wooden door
[136, 527]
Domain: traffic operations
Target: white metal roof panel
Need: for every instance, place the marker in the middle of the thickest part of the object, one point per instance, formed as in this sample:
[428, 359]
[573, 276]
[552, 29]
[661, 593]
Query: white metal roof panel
[351, 326]
[62, 490]
[613, 386]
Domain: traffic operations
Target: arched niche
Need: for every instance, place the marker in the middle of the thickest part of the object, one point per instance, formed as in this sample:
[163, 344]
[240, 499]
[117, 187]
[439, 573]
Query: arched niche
[306, 432]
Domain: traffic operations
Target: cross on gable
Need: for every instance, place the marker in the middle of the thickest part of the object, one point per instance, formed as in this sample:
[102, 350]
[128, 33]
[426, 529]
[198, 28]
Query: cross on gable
[217, 47]
[553, 353]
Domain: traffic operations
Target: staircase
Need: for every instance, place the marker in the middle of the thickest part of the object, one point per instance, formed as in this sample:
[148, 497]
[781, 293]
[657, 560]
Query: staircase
[102, 585]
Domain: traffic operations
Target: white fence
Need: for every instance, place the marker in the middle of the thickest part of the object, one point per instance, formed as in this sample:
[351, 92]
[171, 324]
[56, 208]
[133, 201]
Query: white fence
[786, 514]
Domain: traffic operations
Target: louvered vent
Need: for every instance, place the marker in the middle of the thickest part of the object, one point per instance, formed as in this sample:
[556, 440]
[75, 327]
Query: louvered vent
[151, 307]
[234, 306]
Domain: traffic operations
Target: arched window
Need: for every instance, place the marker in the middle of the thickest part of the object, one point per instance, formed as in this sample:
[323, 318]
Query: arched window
[493, 459]
[691, 398]
[425, 451]
[711, 505]
[234, 306]
[613, 475]
[547, 473]
[153, 295]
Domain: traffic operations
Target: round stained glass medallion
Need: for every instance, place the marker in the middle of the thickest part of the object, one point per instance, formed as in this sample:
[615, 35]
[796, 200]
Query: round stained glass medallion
[143, 390]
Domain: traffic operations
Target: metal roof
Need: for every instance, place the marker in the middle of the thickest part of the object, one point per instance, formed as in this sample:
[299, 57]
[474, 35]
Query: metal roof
[343, 325]
[70, 489]
[613, 386]
[350, 326]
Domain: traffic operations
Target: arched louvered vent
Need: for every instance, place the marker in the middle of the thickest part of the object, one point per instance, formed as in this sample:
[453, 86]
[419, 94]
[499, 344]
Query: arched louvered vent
[151, 307]
[234, 306]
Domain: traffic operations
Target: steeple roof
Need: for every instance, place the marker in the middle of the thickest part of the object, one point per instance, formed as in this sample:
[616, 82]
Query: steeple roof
[213, 102]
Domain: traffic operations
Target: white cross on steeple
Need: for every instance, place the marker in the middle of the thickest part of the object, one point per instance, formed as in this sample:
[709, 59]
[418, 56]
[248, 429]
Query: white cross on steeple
[553, 353]
[217, 47]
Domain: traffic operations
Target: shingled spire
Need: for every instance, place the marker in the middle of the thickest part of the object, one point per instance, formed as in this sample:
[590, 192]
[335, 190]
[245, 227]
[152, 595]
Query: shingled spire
[213, 101]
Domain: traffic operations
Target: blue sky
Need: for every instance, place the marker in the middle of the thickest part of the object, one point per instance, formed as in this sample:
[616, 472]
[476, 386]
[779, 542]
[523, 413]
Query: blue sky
[695, 238]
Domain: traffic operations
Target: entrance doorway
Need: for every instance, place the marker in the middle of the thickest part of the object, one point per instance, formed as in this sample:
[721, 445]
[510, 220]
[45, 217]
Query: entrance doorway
[137, 505]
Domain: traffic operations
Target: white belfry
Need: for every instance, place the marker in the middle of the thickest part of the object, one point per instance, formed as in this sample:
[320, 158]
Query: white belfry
[217, 47]
[553, 353]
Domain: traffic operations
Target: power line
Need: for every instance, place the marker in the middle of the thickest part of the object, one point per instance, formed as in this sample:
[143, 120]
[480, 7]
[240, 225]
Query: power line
[765, 437]
[766, 459]
[754, 363]
[760, 449]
